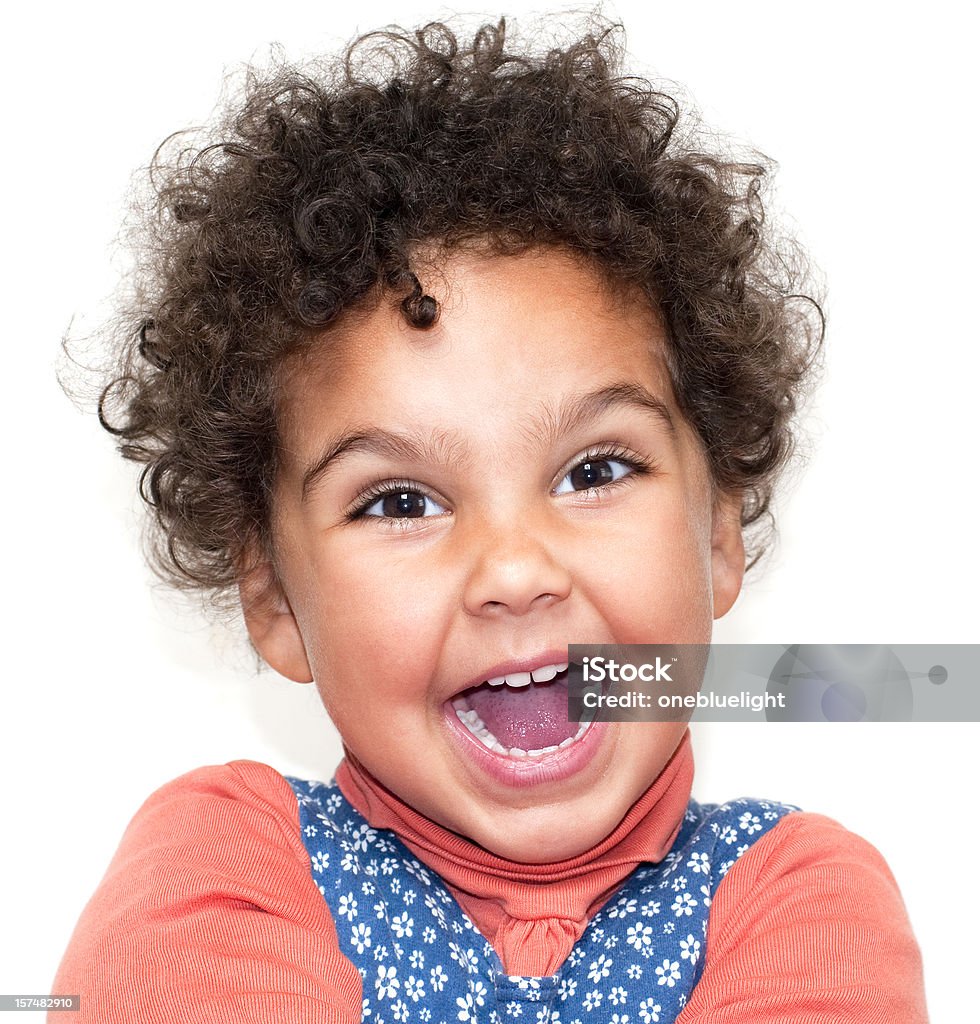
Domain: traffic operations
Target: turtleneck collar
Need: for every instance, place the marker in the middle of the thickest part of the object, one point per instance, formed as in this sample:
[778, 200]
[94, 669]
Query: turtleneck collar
[532, 913]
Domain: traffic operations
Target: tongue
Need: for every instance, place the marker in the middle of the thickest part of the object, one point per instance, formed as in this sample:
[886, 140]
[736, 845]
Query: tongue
[530, 718]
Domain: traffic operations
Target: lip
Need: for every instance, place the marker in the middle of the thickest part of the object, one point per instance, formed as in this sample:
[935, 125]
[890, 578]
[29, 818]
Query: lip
[554, 656]
[525, 772]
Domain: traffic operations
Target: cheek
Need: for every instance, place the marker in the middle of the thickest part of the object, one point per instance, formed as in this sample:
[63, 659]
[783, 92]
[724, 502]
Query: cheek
[371, 629]
[654, 583]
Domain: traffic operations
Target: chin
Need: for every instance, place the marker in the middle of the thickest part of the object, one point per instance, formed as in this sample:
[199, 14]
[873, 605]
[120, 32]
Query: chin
[545, 837]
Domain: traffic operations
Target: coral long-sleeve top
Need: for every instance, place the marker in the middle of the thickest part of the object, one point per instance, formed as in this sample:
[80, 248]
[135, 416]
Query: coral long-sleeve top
[208, 911]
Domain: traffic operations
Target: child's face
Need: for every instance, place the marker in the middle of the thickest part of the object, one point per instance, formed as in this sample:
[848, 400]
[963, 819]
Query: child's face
[525, 480]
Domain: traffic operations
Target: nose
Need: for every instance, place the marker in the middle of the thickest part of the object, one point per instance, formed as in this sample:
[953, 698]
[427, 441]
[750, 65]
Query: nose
[513, 570]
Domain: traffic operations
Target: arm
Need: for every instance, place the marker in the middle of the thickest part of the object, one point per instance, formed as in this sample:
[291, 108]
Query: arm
[809, 927]
[208, 912]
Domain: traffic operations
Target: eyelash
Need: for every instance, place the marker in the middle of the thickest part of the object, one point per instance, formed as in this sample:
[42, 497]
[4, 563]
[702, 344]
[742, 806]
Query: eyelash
[638, 466]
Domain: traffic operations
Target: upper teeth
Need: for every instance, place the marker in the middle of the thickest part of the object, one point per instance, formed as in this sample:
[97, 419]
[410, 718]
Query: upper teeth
[519, 679]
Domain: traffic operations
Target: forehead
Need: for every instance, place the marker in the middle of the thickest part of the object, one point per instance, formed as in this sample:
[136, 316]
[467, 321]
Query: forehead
[539, 318]
[515, 334]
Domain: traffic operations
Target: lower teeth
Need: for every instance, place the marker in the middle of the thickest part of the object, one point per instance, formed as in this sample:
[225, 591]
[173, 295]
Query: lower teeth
[473, 723]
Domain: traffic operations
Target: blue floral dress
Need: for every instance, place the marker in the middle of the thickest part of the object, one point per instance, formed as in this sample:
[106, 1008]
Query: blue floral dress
[421, 958]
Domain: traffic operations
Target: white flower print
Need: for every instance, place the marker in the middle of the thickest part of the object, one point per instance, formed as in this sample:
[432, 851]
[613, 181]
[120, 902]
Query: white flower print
[428, 935]
[600, 968]
[668, 974]
[669, 928]
[414, 988]
[381, 953]
[567, 988]
[514, 1009]
[367, 888]
[649, 909]
[360, 937]
[690, 949]
[402, 924]
[320, 861]
[417, 959]
[532, 986]
[425, 1014]
[466, 1008]
[479, 992]
[350, 863]
[750, 823]
[680, 882]
[649, 1011]
[623, 906]
[638, 936]
[386, 982]
[683, 904]
[310, 831]
[457, 952]
[365, 1009]
[438, 978]
[619, 1019]
[348, 906]
[437, 912]
[728, 835]
[592, 999]
[699, 863]
[363, 836]
[634, 971]
[400, 1011]
[617, 995]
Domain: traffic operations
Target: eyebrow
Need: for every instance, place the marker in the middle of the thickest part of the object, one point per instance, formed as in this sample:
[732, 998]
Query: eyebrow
[446, 446]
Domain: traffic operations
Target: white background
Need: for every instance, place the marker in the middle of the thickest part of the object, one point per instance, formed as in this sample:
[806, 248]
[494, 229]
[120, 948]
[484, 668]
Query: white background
[111, 689]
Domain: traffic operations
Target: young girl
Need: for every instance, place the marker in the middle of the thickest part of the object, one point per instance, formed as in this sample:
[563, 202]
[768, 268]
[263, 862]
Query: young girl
[450, 356]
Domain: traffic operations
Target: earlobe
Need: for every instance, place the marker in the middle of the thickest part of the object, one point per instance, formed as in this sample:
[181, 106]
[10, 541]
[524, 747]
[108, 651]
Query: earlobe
[271, 624]
[727, 553]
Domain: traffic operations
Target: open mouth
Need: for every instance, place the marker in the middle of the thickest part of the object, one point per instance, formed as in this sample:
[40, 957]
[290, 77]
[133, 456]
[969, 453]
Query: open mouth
[523, 714]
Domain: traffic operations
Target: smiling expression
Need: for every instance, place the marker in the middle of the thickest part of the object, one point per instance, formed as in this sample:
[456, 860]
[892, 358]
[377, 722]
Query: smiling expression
[457, 505]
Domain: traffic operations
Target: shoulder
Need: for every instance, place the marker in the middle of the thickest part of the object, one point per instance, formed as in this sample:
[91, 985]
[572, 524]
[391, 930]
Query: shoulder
[814, 908]
[209, 901]
[246, 793]
[803, 846]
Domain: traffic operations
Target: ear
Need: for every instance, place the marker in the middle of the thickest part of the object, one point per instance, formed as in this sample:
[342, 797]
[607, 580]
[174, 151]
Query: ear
[727, 552]
[270, 621]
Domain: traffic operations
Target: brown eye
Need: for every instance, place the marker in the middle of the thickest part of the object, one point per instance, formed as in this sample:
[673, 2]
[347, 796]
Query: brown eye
[591, 474]
[401, 504]
[597, 471]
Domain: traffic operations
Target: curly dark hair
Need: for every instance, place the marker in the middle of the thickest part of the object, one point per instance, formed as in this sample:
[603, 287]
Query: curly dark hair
[319, 188]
